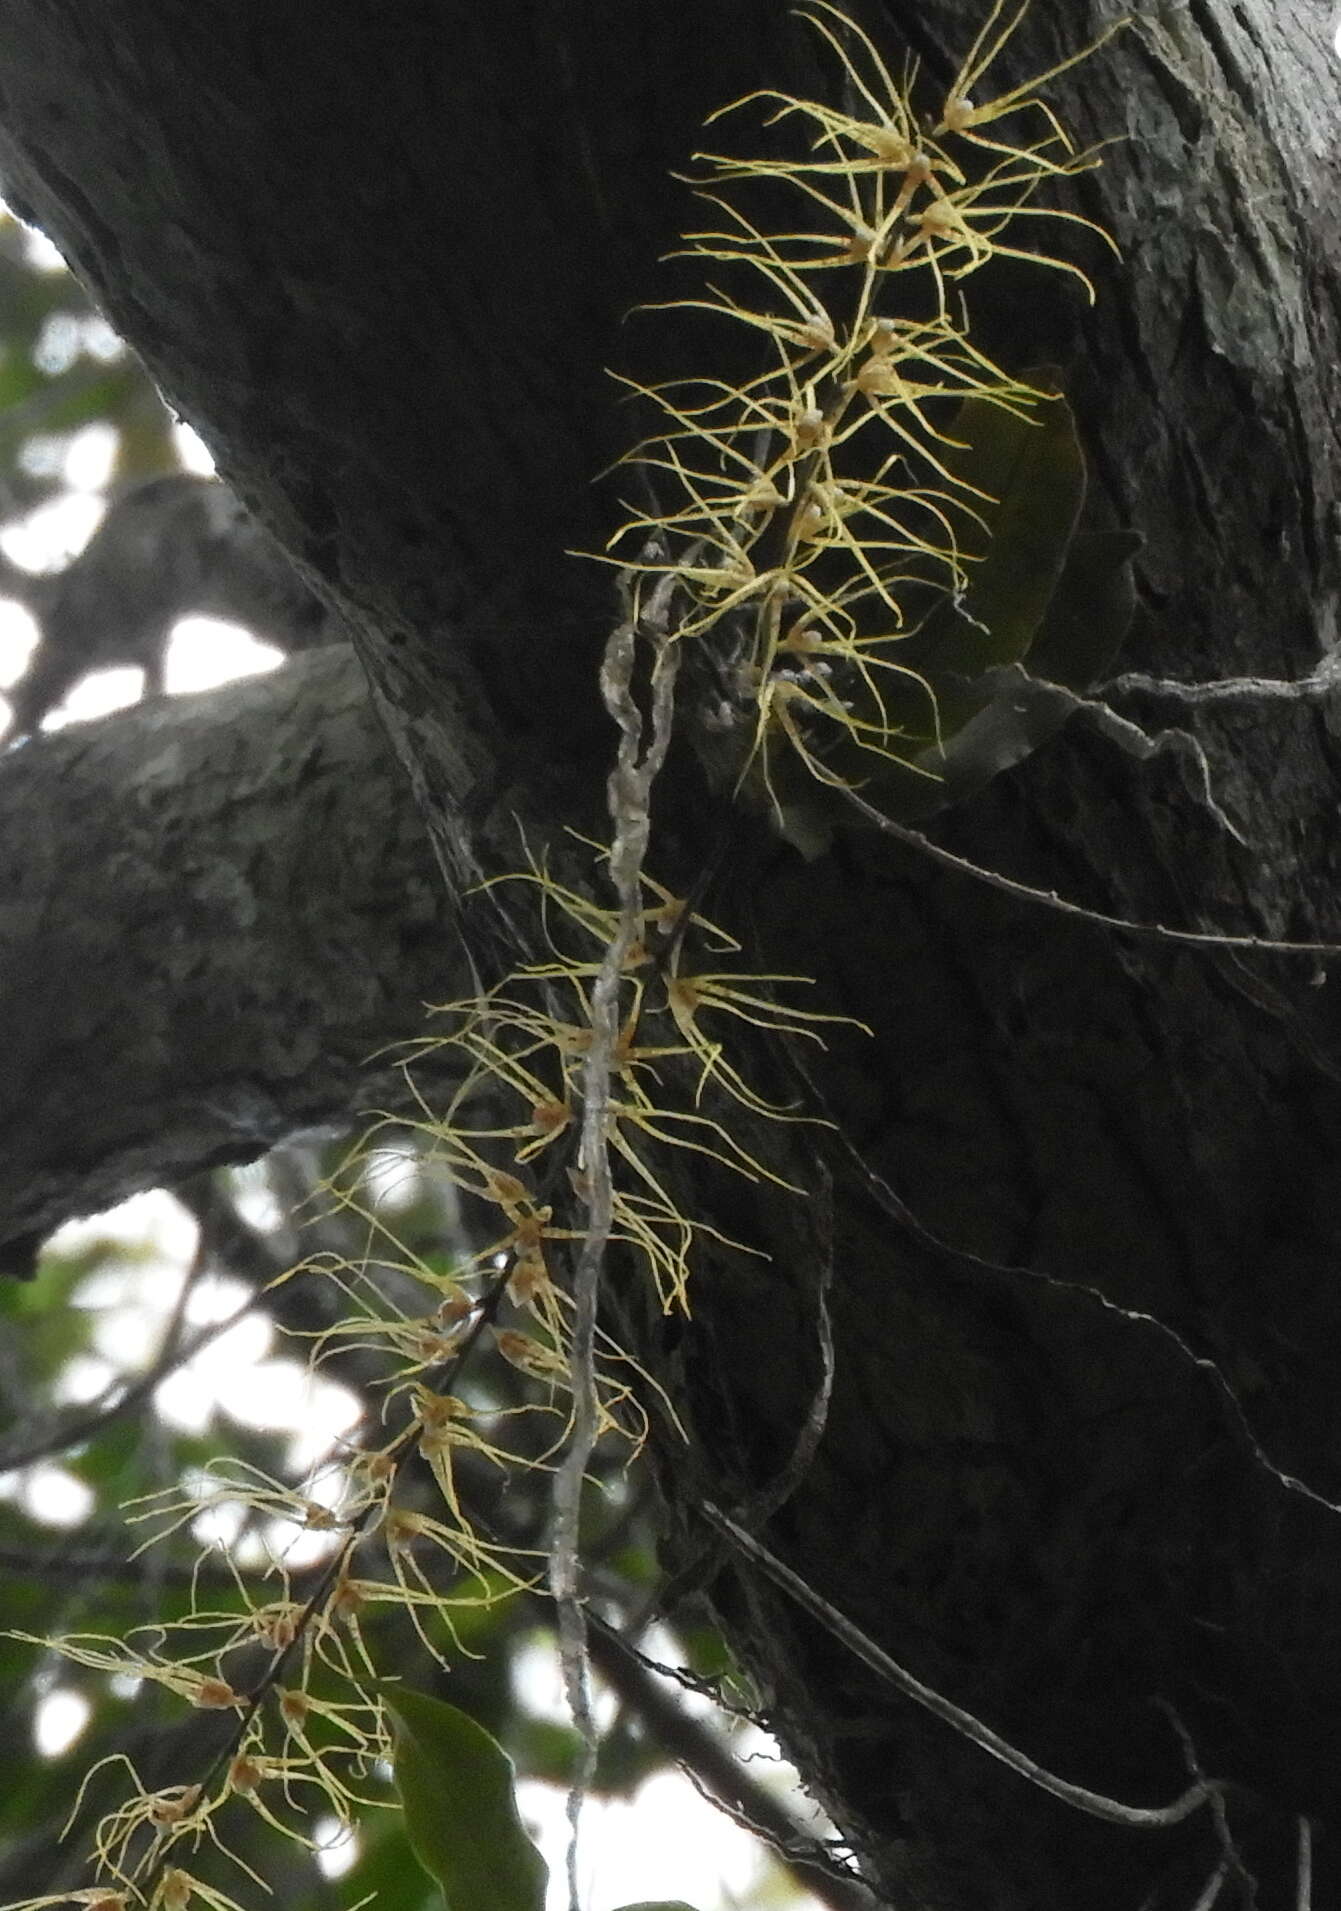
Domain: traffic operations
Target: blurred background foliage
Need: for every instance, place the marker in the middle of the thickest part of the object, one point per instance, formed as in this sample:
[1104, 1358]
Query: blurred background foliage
[149, 1344]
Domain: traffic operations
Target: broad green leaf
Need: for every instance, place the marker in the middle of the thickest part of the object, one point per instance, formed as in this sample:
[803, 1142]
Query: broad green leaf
[1090, 610]
[546, 1749]
[1081, 634]
[1033, 472]
[457, 1786]
[386, 1872]
[1041, 594]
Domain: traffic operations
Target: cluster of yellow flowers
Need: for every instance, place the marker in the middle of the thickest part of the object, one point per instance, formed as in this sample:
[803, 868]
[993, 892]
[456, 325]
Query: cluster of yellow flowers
[818, 510]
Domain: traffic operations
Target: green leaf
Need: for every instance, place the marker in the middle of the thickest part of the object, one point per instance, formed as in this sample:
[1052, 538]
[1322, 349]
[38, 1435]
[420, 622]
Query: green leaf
[457, 1786]
[387, 1872]
[1090, 610]
[1033, 470]
[1080, 635]
[547, 1750]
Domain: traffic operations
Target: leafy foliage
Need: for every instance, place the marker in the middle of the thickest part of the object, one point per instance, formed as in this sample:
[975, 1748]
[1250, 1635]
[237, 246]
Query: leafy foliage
[456, 1786]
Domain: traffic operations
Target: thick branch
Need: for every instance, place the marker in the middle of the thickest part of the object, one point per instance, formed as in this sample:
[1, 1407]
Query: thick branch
[214, 910]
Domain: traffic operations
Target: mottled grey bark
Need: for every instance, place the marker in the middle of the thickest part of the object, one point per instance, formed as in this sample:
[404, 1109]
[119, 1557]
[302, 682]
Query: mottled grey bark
[213, 911]
[378, 260]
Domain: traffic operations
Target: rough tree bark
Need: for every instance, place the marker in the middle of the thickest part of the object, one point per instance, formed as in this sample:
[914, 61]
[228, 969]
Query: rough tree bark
[219, 914]
[378, 260]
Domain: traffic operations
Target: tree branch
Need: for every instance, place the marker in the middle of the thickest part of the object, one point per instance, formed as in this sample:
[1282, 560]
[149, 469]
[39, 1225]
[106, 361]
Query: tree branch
[215, 910]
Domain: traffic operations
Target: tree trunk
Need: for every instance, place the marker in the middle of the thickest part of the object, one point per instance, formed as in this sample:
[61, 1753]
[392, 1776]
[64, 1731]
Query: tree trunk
[1078, 1208]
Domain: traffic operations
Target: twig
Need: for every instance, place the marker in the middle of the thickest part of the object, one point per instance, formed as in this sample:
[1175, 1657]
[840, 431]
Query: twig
[1209, 1894]
[698, 1749]
[1094, 1804]
[1324, 683]
[1062, 906]
[893, 1204]
[1230, 1856]
[115, 1567]
[762, 1505]
[1054, 703]
[227, 1237]
[116, 1403]
[1303, 1896]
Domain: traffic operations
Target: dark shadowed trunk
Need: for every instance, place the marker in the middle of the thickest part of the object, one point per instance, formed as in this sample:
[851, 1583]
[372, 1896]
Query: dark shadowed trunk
[379, 258]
